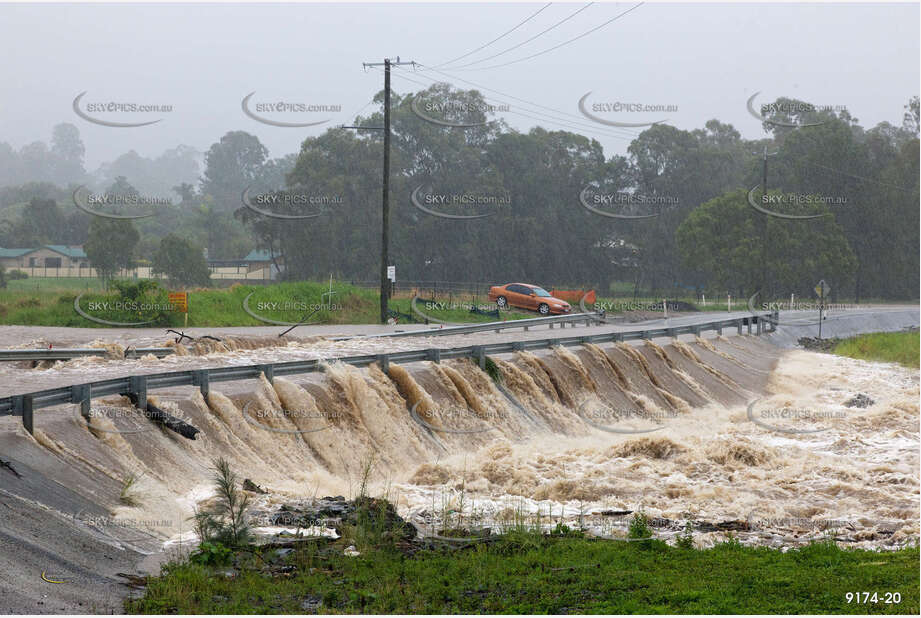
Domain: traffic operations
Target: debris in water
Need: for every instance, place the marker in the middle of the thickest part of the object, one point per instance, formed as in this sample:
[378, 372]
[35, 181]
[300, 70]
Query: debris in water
[860, 401]
[248, 485]
[9, 466]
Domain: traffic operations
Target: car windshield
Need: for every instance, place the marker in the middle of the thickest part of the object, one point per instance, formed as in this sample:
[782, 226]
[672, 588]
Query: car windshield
[540, 292]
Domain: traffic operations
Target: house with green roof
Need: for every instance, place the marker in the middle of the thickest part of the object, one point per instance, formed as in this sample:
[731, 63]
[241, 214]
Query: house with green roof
[257, 264]
[47, 256]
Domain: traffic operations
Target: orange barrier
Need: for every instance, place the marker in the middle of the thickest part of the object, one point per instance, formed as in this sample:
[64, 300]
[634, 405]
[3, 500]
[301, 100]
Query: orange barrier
[574, 296]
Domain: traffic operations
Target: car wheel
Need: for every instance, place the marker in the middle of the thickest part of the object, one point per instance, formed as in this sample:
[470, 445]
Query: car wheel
[502, 302]
[544, 309]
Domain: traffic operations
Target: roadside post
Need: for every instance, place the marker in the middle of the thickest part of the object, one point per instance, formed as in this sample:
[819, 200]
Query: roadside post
[822, 289]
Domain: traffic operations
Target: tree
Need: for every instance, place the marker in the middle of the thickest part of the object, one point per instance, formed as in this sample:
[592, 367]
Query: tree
[111, 246]
[41, 223]
[232, 165]
[911, 121]
[68, 151]
[742, 251]
[182, 262]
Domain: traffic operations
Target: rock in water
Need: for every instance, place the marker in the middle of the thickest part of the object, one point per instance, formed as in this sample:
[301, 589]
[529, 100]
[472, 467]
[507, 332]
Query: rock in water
[860, 401]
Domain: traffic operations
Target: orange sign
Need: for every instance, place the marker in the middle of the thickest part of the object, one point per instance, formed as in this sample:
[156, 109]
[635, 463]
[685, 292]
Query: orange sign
[574, 296]
[179, 300]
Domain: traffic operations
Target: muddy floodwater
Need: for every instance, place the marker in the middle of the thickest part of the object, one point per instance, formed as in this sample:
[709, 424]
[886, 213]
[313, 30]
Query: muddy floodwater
[731, 434]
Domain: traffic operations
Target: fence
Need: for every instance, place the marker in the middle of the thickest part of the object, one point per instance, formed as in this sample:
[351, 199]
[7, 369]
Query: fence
[143, 272]
[137, 386]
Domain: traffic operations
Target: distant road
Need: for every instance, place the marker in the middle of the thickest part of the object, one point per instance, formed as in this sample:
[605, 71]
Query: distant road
[14, 336]
[17, 380]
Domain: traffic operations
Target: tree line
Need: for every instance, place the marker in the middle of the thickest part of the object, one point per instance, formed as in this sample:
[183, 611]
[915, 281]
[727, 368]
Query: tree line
[543, 215]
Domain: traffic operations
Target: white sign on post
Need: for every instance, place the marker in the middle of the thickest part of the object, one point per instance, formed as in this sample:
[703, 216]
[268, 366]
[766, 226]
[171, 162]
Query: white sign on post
[392, 273]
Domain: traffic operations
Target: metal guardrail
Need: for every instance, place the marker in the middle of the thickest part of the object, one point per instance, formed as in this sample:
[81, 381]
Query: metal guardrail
[137, 386]
[562, 320]
[70, 353]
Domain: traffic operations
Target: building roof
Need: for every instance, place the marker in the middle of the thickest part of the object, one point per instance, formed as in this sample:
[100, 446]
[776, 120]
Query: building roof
[259, 255]
[69, 251]
[12, 253]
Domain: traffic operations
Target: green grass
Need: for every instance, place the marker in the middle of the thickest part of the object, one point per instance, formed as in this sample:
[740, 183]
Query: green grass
[533, 573]
[51, 303]
[903, 348]
[55, 284]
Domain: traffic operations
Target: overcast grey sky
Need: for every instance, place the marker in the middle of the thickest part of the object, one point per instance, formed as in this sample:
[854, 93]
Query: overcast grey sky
[706, 59]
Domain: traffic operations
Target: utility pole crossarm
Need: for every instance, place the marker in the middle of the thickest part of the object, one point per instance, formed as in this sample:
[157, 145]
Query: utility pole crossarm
[387, 61]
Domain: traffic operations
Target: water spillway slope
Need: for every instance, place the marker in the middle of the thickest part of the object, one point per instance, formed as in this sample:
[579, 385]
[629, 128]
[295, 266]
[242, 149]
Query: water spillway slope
[665, 426]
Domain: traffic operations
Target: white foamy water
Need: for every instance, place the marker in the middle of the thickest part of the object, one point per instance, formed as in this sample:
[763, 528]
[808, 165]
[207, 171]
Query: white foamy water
[743, 439]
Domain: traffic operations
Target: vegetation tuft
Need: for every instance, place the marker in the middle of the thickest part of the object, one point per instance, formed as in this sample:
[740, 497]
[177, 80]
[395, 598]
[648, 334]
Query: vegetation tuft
[903, 348]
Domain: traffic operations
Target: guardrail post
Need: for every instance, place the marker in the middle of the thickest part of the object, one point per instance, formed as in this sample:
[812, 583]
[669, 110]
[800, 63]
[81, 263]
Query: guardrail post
[550, 324]
[201, 379]
[618, 337]
[719, 330]
[670, 332]
[748, 323]
[434, 355]
[697, 330]
[644, 334]
[760, 325]
[269, 372]
[27, 420]
[739, 325]
[81, 393]
[775, 317]
[480, 353]
[384, 361]
[138, 386]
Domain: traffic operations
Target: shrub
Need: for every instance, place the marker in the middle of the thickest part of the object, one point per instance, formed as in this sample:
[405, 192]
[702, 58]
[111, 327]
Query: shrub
[639, 527]
[211, 554]
[686, 540]
[226, 521]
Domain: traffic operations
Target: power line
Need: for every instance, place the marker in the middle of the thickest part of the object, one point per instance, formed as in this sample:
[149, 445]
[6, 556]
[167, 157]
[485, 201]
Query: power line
[559, 23]
[363, 108]
[532, 16]
[624, 132]
[541, 53]
[876, 182]
[543, 117]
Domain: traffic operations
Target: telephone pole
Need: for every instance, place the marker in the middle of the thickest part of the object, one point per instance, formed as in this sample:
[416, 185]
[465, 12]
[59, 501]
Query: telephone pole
[385, 210]
[764, 169]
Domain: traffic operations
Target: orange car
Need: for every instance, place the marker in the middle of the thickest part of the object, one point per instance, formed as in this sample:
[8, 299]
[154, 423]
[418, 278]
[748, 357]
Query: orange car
[527, 296]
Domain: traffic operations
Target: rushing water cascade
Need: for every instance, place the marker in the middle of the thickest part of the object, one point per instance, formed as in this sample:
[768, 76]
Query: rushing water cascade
[727, 433]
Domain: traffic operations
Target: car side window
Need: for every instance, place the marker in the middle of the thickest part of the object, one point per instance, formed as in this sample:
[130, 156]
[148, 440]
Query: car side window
[519, 289]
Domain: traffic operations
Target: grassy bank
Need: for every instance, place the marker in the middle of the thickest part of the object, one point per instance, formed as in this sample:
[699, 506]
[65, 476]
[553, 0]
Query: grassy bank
[533, 573]
[282, 302]
[903, 348]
